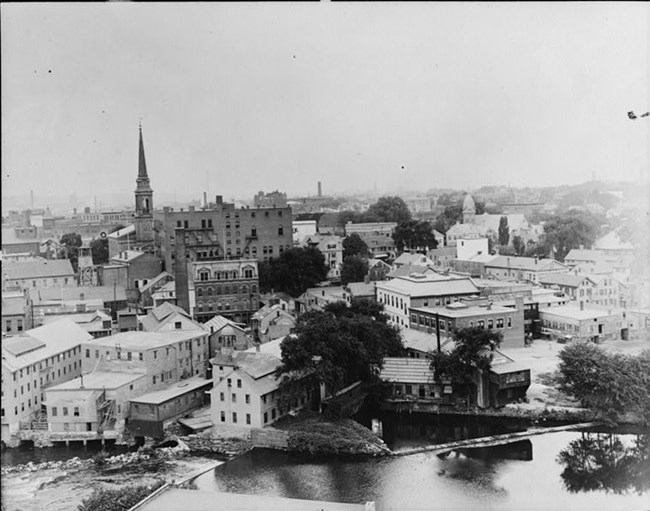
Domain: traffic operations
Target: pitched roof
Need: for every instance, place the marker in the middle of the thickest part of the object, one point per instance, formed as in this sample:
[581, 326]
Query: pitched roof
[99, 380]
[155, 281]
[578, 254]
[613, 241]
[361, 288]
[407, 370]
[218, 322]
[273, 347]
[129, 229]
[408, 258]
[408, 269]
[40, 343]
[564, 279]
[255, 364]
[376, 262]
[172, 391]
[164, 313]
[13, 305]
[16, 270]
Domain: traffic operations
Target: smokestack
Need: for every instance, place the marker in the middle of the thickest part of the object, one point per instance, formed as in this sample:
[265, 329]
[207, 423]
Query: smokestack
[219, 200]
[31, 199]
[320, 190]
[582, 306]
[205, 199]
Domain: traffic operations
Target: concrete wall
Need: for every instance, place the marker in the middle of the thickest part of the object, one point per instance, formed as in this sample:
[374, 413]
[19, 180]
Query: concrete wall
[270, 438]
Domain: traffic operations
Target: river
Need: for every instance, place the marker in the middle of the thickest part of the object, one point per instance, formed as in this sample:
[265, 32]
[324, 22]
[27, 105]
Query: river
[567, 470]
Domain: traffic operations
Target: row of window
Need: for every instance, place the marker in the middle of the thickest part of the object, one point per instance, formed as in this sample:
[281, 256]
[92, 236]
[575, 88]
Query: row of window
[222, 397]
[9, 325]
[205, 274]
[226, 290]
[64, 411]
[47, 362]
[242, 305]
[428, 321]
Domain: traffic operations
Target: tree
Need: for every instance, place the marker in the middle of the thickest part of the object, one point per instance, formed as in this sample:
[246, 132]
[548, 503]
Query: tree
[349, 344]
[568, 231]
[450, 216]
[349, 216]
[472, 351]
[388, 209]
[354, 245]
[354, 269]
[504, 231]
[609, 383]
[519, 245]
[71, 243]
[414, 234]
[294, 271]
[99, 250]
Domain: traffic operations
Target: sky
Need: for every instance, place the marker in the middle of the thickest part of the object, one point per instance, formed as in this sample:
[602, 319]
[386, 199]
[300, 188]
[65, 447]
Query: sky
[235, 98]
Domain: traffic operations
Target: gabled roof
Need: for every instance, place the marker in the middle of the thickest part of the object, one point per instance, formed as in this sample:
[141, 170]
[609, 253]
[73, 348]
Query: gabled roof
[219, 322]
[255, 364]
[408, 269]
[415, 259]
[564, 279]
[578, 254]
[163, 314]
[377, 262]
[407, 370]
[155, 281]
[16, 270]
[273, 347]
[147, 340]
[613, 241]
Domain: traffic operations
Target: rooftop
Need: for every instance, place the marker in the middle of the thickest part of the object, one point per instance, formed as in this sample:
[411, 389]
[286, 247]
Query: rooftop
[99, 380]
[129, 229]
[147, 340]
[104, 293]
[40, 343]
[572, 311]
[525, 263]
[16, 270]
[464, 311]
[429, 285]
[173, 499]
[173, 391]
[256, 365]
[407, 370]
[218, 322]
[564, 279]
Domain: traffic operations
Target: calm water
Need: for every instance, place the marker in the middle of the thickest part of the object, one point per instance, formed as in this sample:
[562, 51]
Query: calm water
[525, 475]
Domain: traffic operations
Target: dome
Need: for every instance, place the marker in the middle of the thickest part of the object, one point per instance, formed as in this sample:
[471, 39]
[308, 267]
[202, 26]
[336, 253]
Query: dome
[468, 205]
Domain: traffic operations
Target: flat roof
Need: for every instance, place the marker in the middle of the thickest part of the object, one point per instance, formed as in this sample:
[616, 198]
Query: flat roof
[99, 380]
[173, 391]
[174, 499]
[569, 311]
[137, 340]
[465, 312]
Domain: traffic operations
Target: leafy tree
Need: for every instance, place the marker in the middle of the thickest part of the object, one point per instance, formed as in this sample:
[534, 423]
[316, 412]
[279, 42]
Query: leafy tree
[450, 216]
[568, 231]
[99, 250]
[71, 243]
[388, 209]
[354, 269]
[504, 231]
[349, 344]
[354, 245]
[519, 245]
[294, 271]
[472, 351]
[349, 216]
[609, 383]
[414, 234]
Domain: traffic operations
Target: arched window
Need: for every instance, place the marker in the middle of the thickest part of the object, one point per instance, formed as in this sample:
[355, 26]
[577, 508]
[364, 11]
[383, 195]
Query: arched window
[204, 274]
[218, 275]
[245, 304]
[226, 290]
[234, 275]
[209, 291]
[210, 306]
[218, 289]
[199, 291]
[244, 290]
[254, 288]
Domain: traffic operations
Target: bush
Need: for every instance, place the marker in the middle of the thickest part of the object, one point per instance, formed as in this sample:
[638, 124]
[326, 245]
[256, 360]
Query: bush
[119, 499]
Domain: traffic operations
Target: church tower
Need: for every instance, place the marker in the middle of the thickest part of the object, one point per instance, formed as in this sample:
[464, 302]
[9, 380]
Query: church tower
[469, 210]
[143, 219]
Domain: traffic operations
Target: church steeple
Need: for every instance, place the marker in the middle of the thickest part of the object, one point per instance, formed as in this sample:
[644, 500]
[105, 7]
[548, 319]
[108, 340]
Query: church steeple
[142, 164]
[143, 198]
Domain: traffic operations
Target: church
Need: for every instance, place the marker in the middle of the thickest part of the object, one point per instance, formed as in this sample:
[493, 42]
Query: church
[487, 225]
[140, 234]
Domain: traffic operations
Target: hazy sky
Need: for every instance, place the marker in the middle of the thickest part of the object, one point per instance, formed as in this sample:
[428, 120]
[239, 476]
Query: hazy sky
[261, 96]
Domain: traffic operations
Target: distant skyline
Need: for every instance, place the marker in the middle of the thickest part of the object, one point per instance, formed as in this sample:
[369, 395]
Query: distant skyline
[237, 98]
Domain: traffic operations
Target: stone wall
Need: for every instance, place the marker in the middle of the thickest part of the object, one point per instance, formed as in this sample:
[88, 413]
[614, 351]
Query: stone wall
[270, 438]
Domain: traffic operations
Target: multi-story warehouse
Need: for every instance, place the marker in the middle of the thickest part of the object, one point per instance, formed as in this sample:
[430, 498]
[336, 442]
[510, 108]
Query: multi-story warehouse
[31, 362]
[221, 231]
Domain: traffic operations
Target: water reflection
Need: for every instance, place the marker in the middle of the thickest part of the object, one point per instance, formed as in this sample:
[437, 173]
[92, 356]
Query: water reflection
[601, 462]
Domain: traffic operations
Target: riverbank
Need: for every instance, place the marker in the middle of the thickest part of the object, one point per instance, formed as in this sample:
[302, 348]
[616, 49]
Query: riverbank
[312, 434]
